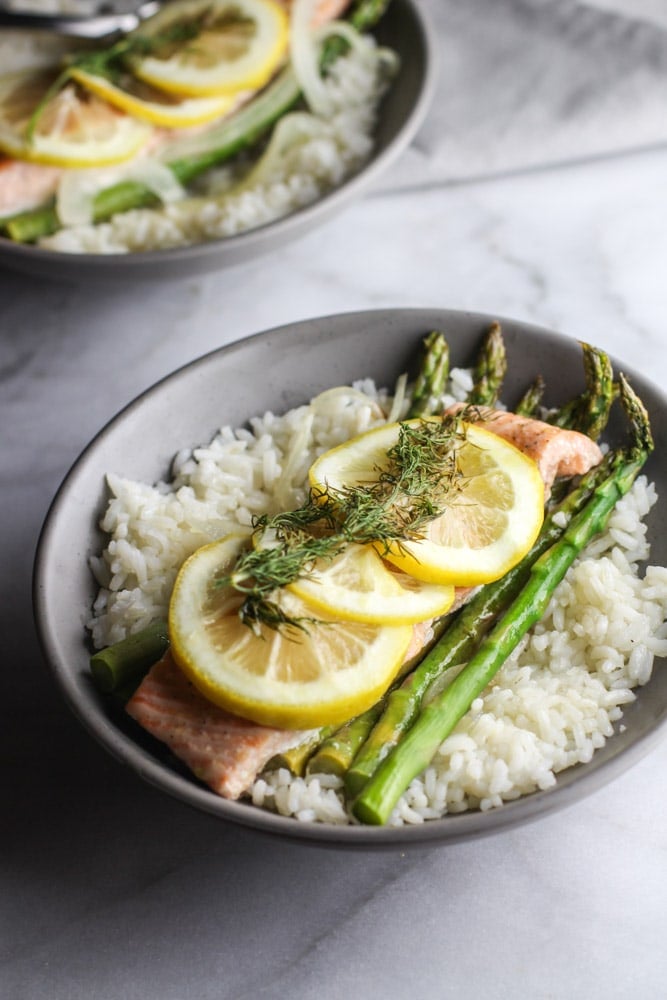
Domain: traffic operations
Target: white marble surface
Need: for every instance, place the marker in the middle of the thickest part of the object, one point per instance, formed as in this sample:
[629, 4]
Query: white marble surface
[109, 889]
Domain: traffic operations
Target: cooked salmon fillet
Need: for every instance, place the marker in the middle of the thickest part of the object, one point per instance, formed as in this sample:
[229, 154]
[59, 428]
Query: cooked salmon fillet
[222, 750]
[25, 185]
[555, 451]
[326, 10]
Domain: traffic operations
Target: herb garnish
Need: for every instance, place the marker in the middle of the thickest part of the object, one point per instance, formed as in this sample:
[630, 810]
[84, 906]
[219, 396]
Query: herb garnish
[419, 480]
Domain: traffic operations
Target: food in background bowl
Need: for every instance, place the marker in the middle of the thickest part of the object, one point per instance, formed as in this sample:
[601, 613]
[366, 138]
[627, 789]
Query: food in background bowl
[226, 116]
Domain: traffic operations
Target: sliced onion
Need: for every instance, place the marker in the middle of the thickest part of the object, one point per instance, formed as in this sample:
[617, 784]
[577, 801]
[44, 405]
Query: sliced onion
[305, 57]
[363, 46]
[399, 399]
[292, 131]
[344, 30]
[77, 189]
[158, 178]
[204, 138]
[76, 195]
[328, 403]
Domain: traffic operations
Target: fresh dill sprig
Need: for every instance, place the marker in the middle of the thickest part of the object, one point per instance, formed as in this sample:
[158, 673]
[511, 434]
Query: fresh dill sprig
[291, 543]
[418, 480]
[255, 612]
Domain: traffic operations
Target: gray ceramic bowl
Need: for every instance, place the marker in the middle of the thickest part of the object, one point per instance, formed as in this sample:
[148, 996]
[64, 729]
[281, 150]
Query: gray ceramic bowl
[277, 370]
[404, 29]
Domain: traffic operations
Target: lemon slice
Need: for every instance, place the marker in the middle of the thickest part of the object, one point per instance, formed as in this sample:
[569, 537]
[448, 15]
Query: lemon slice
[357, 586]
[142, 101]
[238, 45]
[296, 678]
[75, 129]
[486, 528]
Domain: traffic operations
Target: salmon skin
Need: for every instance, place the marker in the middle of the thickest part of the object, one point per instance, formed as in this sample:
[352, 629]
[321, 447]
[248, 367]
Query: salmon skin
[226, 752]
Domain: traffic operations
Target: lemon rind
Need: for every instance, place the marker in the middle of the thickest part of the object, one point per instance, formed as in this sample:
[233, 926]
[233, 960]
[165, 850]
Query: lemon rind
[332, 698]
[192, 111]
[434, 563]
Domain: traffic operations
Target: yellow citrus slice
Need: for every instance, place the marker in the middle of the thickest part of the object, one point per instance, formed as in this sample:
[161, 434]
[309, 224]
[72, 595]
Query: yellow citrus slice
[141, 100]
[233, 45]
[488, 524]
[295, 678]
[74, 129]
[357, 586]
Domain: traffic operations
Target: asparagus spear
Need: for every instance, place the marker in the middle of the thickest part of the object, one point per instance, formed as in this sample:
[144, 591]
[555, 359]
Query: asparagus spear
[241, 132]
[364, 14]
[336, 752]
[440, 716]
[529, 403]
[490, 369]
[589, 412]
[296, 758]
[116, 668]
[432, 377]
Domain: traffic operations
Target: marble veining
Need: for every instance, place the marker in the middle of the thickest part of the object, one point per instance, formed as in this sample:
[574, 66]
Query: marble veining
[504, 204]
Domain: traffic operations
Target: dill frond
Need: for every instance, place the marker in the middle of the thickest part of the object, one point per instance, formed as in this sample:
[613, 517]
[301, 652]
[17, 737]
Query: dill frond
[418, 480]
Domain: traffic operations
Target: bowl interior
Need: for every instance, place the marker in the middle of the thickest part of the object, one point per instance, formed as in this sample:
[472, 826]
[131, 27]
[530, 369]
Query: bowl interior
[275, 371]
[403, 109]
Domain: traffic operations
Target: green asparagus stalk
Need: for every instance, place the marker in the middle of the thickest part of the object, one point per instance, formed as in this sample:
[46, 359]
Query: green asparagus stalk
[461, 638]
[432, 377]
[296, 758]
[241, 132]
[589, 412]
[529, 404]
[364, 14]
[336, 752]
[439, 717]
[120, 666]
[489, 370]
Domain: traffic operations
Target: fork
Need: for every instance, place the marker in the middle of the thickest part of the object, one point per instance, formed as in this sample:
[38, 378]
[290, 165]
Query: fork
[101, 25]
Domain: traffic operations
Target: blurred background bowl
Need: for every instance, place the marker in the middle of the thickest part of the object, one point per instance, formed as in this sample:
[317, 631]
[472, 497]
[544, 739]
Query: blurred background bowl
[405, 30]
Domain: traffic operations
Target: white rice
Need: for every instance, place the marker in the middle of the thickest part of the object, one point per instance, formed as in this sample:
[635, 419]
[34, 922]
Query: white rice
[554, 702]
[322, 152]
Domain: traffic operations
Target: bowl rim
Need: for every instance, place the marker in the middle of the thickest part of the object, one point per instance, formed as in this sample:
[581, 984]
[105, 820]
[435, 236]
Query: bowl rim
[451, 828]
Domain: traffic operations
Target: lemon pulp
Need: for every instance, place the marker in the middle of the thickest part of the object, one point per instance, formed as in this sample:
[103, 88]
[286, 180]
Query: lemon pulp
[357, 586]
[489, 524]
[75, 129]
[322, 673]
[157, 107]
[238, 45]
